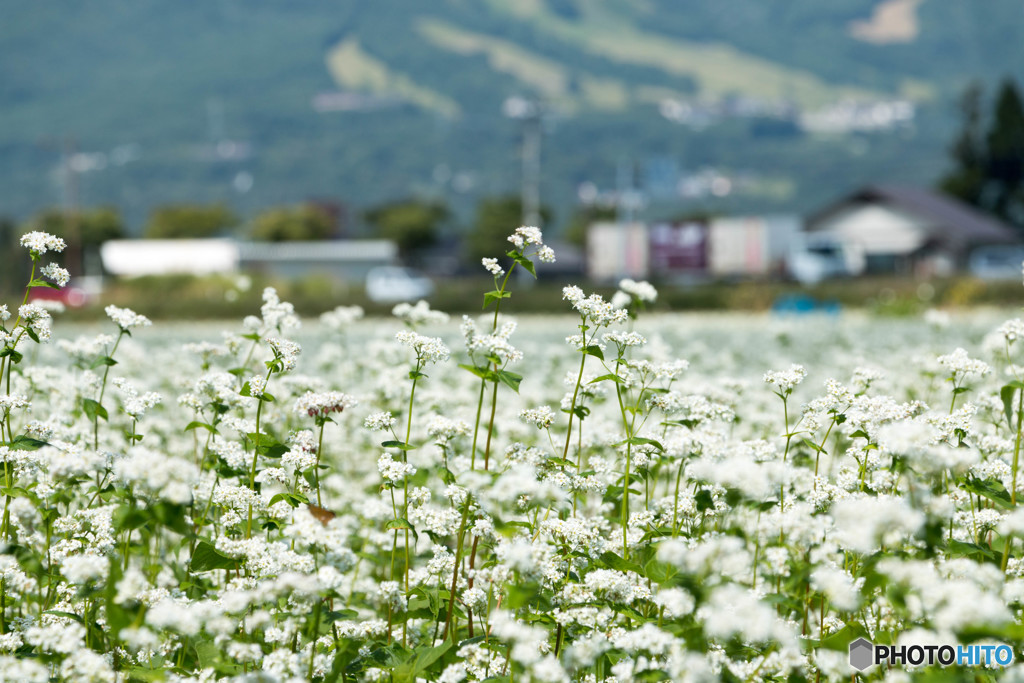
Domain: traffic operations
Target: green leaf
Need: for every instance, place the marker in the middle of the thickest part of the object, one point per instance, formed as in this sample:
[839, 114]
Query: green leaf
[991, 489]
[704, 500]
[613, 561]
[1006, 393]
[642, 441]
[813, 446]
[267, 445]
[510, 379]
[43, 283]
[15, 356]
[610, 377]
[125, 518]
[491, 297]
[32, 334]
[23, 442]
[400, 445]
[139, 673]
[841, 639]
[976, 552]
[423, 657]
[402, 523]
[93, 409]
[526, 263]
[595, 351]
[482, 373]
[195, 425]
[172, 516]
[293, 499]
[660, 572]
[103, 360]
[339, 614]
[15, 492]
[206, 558]
[416, 375]
[207, 653]
[581, 412]
[399, 523]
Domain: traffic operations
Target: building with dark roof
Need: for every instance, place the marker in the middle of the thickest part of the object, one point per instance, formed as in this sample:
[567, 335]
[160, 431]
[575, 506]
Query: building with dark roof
[893, 229]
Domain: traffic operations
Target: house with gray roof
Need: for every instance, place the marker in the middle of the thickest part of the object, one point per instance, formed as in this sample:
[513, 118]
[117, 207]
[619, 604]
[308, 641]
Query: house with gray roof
[905, 230]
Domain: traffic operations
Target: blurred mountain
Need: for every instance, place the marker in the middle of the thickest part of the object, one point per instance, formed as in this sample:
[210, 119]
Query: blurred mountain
[767, 105]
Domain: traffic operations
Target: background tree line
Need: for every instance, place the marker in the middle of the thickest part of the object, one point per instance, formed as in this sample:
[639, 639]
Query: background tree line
[988, 154]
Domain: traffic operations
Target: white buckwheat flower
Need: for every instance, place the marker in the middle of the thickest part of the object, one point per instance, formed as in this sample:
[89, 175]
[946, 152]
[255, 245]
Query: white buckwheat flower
[287, 351]
[41, 242]
[126, 318]
[491, 264]
[642, 291]
[541, 417]
[56, 273]
[786, 380]
[323, 403]
[960, 365]
[526, 235]
[428, 349]
[420, 314]
[380, 422]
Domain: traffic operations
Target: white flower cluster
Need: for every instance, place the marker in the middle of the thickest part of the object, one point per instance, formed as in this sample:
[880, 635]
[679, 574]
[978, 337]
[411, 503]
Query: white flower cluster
[380, 422]
[631, 290]
[593, 308]
[418, 314]
[341, 317]
[785, 381]
[443, 429]
[960, 365]
[428, 349]
[496, 344]
[126, 318]
[276, 314]
[541, 417]
[1012, 330]
[530, 236]
[286, 351]
[323, 403]
[493, 267]
[392, 470]
[41, 242]
[134, 404]
[54, 272]
[37, 319]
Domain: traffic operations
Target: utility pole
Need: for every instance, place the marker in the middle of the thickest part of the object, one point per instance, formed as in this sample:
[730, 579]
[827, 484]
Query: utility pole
[69, 181]
[531, 170]
[626, 204]
[530, 112]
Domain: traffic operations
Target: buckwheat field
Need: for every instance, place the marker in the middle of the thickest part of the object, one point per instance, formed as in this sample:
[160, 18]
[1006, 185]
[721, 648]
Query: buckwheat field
[605, 495]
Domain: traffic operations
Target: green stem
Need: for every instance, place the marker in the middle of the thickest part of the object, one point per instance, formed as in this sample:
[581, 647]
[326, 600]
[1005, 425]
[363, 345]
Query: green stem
[256, 450]
[455, 574]
[103, 390]
[316, 469]
[629, 458]
[1016, 445]
[575, 393]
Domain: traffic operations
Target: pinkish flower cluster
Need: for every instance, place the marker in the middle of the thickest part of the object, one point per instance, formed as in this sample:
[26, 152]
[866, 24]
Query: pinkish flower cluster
[323, 403]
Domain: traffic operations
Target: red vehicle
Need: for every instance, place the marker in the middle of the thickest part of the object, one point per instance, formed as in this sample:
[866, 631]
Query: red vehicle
[72, 296]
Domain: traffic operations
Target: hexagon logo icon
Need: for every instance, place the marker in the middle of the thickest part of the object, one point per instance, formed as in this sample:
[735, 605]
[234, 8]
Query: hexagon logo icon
[862, 654]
